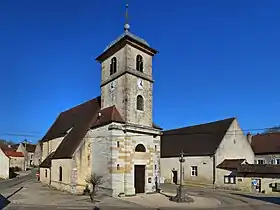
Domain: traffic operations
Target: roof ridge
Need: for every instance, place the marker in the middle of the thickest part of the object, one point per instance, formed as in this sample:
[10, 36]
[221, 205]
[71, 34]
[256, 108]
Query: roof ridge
[196, 125]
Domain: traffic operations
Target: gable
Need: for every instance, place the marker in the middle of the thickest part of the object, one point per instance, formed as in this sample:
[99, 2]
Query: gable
[235, 145]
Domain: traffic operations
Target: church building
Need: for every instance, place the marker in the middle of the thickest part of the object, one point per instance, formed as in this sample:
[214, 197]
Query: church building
[112, 135]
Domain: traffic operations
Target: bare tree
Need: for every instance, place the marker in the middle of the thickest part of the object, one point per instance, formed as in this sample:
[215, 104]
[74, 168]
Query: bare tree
[94, 180]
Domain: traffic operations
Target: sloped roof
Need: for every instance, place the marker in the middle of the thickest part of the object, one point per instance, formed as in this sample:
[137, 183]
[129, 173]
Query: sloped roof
[268, 143]
[47, 163]
[30, 147]
[230, 163]
[87, 118]
[129, 34]
[12, 153]
[195, 140]
[259, 169]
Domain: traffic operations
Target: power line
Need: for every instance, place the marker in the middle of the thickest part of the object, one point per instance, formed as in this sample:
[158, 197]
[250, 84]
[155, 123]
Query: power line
[166, 133]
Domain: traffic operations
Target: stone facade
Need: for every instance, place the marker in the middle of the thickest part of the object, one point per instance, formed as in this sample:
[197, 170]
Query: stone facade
[267, 159]
[126, 89]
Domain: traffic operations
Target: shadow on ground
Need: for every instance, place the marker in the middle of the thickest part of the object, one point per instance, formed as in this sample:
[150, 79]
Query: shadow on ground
[3, 202]
[274, 200]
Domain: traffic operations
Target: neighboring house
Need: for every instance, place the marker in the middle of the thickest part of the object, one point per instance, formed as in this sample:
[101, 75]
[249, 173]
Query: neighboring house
[112, 135]
[266, 148]
[4, 165]
[16, 159]
[28, 150]
[205, 147]
[38, 154]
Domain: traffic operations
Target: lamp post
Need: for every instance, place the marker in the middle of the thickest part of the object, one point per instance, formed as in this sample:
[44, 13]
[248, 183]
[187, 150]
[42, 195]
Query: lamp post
[181, 194]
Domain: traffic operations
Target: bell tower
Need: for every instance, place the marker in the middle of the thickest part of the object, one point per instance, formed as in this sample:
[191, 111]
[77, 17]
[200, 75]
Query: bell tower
[126, 78]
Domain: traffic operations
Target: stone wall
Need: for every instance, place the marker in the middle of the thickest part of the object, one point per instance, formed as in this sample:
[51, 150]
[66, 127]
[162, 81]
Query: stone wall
[126, 91]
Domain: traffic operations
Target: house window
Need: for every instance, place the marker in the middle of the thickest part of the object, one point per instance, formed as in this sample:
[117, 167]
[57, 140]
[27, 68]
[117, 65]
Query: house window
[118, 144]
[31, 156]
[272, 161]
[118, 166]
[155, 148]
[60, 173]
[46, 173]
[113, 65]
[229, 179]
[277, 161]
[139, 63]
[194, 171]
[140, 148]
[155, 167]
[260, 162]
[140, 103]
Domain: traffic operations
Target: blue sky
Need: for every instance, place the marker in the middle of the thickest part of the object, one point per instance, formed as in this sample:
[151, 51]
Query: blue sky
[217, 59]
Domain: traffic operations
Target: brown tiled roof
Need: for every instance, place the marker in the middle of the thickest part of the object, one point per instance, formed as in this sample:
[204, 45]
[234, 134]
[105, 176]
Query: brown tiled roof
[47, 163]
[68, 118]
[87, 118]
[11, 153]
[259, 169]
[230, 164]
[30, 147]
[268, 143]
[195, 140]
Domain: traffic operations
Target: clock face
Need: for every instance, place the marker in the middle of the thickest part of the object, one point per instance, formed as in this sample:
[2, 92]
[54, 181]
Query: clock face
[113, 85]
[140, 83]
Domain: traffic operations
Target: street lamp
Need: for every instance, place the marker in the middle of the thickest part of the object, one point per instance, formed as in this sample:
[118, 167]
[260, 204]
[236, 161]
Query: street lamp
[181, 195]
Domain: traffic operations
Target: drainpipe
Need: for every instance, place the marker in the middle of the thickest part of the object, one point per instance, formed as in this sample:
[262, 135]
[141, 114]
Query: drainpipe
[214, 170]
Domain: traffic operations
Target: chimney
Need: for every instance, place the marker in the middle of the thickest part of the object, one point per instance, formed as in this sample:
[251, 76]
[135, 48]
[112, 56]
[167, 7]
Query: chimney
[249, 138]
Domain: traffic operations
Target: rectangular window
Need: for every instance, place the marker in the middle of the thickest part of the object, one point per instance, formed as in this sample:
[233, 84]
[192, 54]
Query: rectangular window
[155, 167]
[272, 161]
[46, 173]
[118, 144]
[277, 161]
[194, 171]
[229, 179]
[261, 162]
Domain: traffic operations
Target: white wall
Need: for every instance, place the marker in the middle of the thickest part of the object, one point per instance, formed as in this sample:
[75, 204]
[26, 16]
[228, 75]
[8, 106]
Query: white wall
[4, 165]
[234, 146]
[204, 165]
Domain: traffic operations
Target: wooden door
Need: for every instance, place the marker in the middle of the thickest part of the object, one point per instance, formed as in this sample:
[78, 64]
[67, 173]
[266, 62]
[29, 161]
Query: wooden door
[139, 178]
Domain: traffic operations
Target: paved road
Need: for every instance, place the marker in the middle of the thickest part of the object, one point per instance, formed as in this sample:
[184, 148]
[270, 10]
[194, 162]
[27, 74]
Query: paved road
[229, 201]
[5, 184]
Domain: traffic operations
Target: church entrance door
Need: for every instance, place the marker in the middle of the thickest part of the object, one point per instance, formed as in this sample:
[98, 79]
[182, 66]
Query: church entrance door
[139, 178]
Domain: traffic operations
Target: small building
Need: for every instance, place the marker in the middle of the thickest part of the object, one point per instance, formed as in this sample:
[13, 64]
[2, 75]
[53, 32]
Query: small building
[266, 147]
[4, 165]
[16, 159]
[28, 150]
[205, 147]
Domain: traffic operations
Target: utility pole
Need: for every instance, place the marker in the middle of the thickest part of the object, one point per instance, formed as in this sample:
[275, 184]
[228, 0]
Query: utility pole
[26, 154]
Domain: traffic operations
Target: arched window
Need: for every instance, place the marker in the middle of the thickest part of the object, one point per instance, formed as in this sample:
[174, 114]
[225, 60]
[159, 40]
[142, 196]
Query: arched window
[140, 103]
[60, 173]
[139, 63]
[113, 65]
[140, 148]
